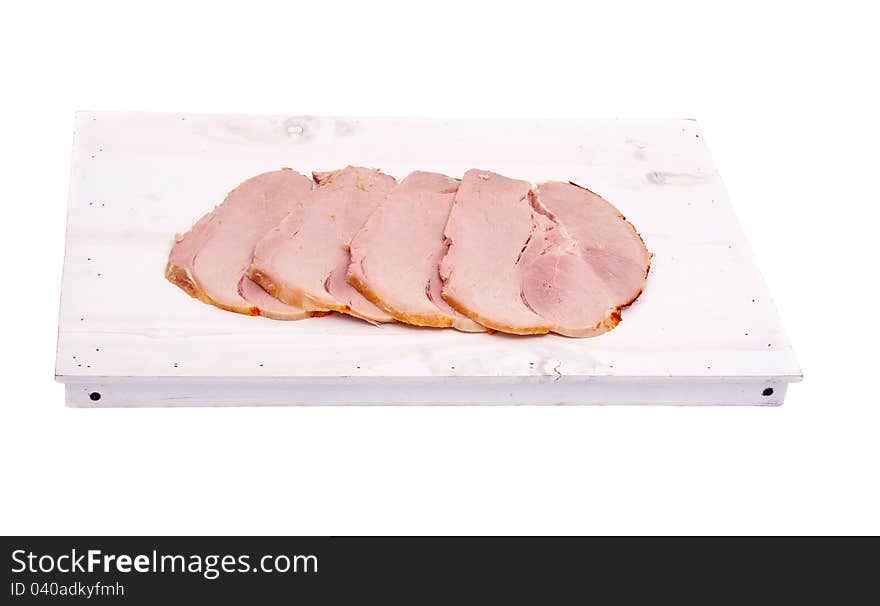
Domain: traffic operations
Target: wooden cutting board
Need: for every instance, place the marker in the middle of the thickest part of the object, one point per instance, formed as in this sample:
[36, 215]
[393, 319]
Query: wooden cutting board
[705, 331]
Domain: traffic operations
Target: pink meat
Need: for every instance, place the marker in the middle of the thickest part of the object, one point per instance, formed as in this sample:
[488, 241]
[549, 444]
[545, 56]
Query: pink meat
[305, 259]
[488, 229]
[610, 244]
[558, 283]
[396, 254]
[211, 261]
[515, 265]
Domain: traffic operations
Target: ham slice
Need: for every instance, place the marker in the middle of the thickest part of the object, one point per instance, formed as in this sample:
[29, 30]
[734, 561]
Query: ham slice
[610, 243]
[489, 227]
[211, 261]
[514, 266]
[304, 260]
[561, 285]
[396, 254]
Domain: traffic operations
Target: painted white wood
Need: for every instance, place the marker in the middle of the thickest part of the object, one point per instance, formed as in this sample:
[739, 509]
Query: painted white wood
[138, 178]
[487, 391]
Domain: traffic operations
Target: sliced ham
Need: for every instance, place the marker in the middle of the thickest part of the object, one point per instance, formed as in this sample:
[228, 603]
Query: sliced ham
[489, 227]
[561, 285]
[396, 254]
[610, 244]
[516, 266]
[305, 259]
[211, 261]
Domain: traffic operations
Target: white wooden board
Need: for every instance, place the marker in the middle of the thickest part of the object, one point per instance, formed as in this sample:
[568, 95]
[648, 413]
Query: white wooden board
[704, 332]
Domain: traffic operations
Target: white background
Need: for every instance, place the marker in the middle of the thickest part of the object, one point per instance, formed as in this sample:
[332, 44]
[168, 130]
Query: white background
[786, 98]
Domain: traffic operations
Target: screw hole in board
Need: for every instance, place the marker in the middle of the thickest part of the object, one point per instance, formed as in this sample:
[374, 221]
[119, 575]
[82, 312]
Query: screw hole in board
[767, 392]
[94, 396]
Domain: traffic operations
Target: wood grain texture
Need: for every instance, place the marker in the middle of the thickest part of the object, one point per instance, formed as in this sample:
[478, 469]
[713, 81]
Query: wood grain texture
[139, 178]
